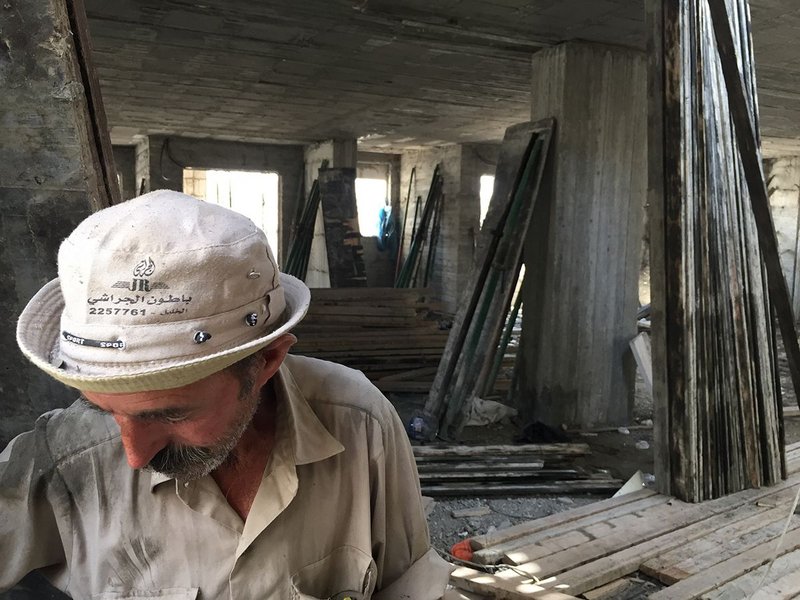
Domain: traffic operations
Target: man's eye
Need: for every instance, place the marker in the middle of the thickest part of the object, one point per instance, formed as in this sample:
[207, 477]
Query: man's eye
[174, 418]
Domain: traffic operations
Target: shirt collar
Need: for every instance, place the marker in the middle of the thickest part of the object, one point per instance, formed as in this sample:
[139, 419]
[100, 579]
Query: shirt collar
[310, 440]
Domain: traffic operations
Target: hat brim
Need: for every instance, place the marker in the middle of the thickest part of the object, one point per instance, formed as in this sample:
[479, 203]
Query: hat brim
[38, 333]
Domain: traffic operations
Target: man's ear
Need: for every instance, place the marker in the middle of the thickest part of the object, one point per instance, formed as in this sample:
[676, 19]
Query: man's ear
[273, 356]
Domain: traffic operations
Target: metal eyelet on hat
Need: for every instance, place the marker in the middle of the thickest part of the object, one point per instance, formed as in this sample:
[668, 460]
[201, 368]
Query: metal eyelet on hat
[253, 274]
[201, 336]
[251, 319]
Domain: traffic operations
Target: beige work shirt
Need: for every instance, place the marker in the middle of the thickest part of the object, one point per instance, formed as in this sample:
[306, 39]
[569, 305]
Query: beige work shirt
[338, 512]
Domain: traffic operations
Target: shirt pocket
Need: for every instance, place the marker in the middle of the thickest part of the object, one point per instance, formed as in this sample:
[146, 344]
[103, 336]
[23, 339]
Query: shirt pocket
[162, 594]
[347, 572]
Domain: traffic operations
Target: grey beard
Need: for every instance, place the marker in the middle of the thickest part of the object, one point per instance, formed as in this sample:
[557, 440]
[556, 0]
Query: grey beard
[187, 463]
[190, 462]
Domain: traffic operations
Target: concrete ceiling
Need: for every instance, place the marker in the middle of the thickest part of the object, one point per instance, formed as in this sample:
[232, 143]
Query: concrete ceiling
[394, 74]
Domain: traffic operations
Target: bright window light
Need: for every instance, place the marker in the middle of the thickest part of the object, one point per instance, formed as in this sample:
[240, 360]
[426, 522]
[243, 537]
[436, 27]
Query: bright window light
[487, 187]
[370, 198]
[250, 193]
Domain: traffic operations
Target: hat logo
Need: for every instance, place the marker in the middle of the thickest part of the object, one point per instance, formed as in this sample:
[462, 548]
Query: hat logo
[140, 282]
[145, 268]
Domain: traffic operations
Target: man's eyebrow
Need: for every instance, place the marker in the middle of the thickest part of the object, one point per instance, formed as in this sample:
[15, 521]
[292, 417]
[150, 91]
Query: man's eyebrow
[162, 413]
[150, 415]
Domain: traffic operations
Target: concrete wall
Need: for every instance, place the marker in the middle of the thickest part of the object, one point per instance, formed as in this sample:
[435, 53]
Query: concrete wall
[317, 275]
[462, 167]
[49, 182]
[783, 183]
[160, 162]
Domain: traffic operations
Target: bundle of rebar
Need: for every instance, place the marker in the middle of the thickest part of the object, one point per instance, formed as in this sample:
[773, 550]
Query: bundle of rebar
[300, 250]
[467, 363]
[416, 270]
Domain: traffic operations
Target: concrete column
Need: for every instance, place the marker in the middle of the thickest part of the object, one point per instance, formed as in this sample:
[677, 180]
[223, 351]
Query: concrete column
[583, 249]
[338, 153]
[783, 176]
[50, 179]
[462, 167]
[451, 266]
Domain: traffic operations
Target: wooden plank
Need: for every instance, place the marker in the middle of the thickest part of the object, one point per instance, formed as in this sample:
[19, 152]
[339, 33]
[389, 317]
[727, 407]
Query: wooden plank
[411, 374]
[640, 346]
[621, 589]
[557, 520]
[500, 552]
[722, 428]
[361, 310]
[97, 127]
[503, 450]
[428, 478]
[727, 570]
[781, 583]
[747, 139]
[455, 467]
[718, 513]
[521, 489]
[720, 545]
[499, 588]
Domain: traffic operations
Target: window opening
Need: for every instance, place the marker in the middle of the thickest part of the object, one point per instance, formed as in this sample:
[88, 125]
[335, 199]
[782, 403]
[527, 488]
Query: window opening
[250, 193]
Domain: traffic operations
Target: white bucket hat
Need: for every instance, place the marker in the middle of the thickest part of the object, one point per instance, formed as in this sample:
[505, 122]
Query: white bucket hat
[156, 293]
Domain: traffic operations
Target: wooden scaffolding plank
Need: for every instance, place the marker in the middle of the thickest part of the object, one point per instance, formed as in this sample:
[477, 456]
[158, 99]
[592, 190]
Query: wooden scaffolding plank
[503, 450]
[782, 582]
[501, 551]
[696, 521]
[728, 570]
[557, 520]
[500, 587]
[720, 545]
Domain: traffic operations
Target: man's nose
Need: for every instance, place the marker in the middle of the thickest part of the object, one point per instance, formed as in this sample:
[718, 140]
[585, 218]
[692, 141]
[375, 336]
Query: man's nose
[141, 441]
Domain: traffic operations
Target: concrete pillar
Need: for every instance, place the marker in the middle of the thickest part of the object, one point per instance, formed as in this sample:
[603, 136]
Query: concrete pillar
[453, 254]
[338, 153]
[583, 249]
[783, 176]
[54, 171]
[462, 166]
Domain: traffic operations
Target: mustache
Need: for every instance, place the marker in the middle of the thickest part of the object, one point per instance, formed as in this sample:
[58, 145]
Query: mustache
[188, 462]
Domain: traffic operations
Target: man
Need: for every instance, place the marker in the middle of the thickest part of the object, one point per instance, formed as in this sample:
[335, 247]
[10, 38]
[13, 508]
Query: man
[250, 473]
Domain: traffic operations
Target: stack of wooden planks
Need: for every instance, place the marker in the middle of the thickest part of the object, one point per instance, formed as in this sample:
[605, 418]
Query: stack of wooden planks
[501, 470]
[483, 311]
[395, 336]
[715, 270]
[719, 549]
